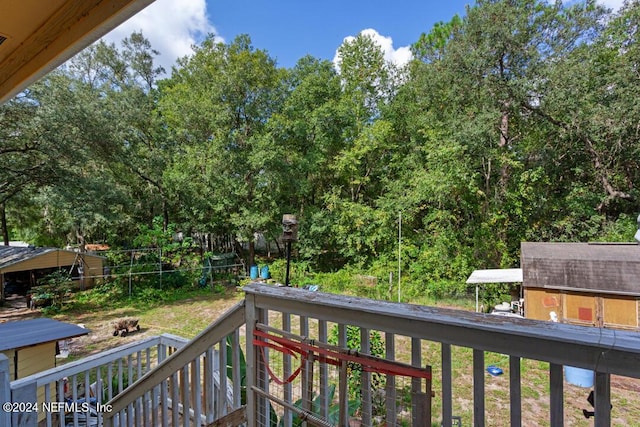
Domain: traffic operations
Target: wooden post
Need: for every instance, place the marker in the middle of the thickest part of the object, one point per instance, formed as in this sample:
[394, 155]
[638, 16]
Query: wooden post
[416, 389]
[27, 393]
[428, 391]
[390, 388]
[515, 391]
[253, 361]
[556, 397]
[5, 389]
[365, 392]
[343, 384]
[602, 399]
[447, 385]
[478, 388]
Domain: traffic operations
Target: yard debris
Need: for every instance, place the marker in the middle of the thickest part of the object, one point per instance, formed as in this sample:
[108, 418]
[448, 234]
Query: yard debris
[123, 326]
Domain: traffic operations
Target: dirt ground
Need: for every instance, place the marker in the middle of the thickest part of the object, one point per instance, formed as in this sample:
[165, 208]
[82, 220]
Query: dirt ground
[15, 308]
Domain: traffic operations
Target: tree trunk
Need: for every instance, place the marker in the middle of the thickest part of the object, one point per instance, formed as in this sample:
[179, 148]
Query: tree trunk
[3, 224]
[82, 244]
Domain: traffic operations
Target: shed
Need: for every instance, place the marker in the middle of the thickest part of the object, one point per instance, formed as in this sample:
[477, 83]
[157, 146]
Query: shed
[21, 267]
[31, 346]
[593, 284]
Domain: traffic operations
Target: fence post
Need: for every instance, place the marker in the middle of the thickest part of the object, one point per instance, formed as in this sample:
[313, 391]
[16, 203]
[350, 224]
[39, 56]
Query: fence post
[5, 389]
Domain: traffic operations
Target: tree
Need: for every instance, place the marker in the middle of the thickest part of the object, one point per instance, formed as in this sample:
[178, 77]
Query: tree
[218, 103]
[26, 153]
[477, 78]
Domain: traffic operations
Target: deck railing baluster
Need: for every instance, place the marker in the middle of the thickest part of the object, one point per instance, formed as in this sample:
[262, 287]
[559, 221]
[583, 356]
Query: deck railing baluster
[478, 388]
[515, 394]
[556, 395]
[365, 382]
[390, 385]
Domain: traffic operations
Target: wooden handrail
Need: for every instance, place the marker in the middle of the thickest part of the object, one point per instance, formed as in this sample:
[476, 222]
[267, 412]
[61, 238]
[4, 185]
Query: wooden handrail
[217, 331]
[89, 362]
[604, 350]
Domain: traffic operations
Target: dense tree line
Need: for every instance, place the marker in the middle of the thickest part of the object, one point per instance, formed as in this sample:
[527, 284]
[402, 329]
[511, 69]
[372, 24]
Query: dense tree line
[519, 121]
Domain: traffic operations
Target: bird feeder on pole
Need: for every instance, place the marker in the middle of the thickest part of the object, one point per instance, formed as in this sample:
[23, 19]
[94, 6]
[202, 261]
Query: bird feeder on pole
[289, 235]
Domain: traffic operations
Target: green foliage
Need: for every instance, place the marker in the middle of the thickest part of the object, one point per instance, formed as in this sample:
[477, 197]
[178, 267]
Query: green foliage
[517, 121]
[52, 290]
[316, 408]
[355, 369]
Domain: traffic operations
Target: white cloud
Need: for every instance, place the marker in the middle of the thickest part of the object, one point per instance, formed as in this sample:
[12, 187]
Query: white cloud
[612, 4]
[172, 27]
[399, 56]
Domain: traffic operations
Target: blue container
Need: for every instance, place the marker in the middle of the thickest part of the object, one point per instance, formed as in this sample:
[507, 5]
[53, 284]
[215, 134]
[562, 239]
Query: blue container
[494, 370]
[264, 272]
[578, 376]
[253, 272]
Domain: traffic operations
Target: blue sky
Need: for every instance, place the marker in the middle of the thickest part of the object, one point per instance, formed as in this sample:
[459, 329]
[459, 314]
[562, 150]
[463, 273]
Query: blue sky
[289, 29]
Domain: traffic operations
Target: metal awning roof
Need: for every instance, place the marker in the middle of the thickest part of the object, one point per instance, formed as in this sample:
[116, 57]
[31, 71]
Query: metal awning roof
[11, 255]
[25, 333]
[497, 275]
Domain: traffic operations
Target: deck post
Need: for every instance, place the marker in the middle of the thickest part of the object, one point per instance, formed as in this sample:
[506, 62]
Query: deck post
[251, 359]
[5, 389]
[27, 393]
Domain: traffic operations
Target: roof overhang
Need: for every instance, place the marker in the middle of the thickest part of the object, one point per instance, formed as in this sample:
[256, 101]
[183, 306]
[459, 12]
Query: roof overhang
[26, 333]
[37, 36]
[504, 275]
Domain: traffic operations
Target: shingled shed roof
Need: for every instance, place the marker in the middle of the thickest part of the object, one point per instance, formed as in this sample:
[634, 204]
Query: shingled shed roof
[25, 333]
[610, 268]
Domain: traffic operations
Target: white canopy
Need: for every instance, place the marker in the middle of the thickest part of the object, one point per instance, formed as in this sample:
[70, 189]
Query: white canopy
[496, 275]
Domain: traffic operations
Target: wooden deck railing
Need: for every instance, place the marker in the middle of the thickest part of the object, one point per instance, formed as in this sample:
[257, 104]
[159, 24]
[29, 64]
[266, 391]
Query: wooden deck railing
[303, 365]
[105, 375]
[605, 351]
[192, 386]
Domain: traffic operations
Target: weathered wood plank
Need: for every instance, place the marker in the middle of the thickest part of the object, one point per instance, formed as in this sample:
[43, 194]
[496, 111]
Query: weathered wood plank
[478, 388]
[447, 386]
[556, 395]
[602, 400]
[233, 419]
[515, 391]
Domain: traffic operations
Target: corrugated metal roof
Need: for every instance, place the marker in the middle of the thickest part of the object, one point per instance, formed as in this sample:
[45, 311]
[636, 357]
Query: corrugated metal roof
[10, 255]
[498, 275]
[25, 333]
